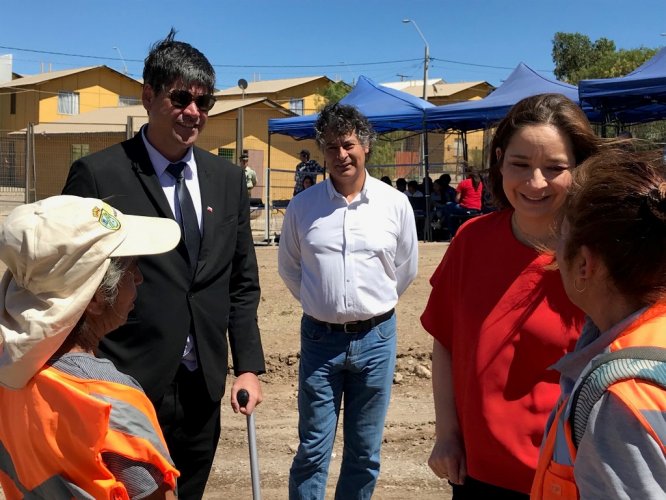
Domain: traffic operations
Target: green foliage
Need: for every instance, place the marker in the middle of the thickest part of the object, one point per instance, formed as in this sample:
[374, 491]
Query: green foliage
[383, 153]
[577, 58]
[333, 93]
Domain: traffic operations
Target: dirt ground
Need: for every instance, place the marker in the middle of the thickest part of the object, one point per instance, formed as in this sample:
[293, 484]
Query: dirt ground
[409, 430]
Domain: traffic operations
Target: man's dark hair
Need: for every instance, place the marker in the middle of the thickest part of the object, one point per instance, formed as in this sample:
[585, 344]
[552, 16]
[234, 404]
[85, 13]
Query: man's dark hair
[169, 61]
[339, 120]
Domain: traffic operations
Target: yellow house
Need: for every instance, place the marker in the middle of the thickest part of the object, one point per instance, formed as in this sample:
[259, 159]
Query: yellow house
[298, 95]
[57, 95]
[446, 151]
[58, 144]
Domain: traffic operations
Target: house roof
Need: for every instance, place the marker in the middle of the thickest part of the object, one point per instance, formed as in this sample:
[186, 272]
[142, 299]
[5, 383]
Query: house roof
[27, 81]
[438, 88]
[44, 77]
[403, 84]
[270, 86]
[115, 119]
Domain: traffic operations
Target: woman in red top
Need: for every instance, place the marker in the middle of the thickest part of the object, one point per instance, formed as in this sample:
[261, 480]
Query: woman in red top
[507, 317]
[469, 193]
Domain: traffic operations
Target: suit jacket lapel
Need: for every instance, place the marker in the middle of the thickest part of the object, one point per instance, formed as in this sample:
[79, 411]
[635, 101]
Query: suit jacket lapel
[143, 167]
[210, 209]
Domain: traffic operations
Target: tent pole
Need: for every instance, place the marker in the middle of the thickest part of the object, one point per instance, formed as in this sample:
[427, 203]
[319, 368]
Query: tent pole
[427, 230]
[267, 207]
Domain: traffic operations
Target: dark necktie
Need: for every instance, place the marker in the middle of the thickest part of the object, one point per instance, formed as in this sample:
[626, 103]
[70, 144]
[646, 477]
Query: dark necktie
[188, 216]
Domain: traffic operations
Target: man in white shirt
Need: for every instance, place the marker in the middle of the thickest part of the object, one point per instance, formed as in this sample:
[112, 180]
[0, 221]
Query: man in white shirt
[348, 250]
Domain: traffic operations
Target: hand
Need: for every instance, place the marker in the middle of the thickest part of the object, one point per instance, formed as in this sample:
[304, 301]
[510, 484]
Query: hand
[250, 382]
[447, 459]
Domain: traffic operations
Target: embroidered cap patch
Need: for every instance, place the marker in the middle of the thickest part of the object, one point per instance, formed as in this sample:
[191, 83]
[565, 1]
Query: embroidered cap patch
[106, 218]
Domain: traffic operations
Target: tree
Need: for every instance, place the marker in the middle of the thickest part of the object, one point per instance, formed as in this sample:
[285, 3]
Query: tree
[333, 92]
[577, 58]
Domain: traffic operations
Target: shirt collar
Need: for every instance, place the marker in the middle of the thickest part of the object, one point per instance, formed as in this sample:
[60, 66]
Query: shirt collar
[160, 163]
[332, 192]
[591, 343]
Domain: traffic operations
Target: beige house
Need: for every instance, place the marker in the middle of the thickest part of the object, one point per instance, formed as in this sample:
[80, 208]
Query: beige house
[58, 95]
[58, 144]
[446, 150]
[301, 96]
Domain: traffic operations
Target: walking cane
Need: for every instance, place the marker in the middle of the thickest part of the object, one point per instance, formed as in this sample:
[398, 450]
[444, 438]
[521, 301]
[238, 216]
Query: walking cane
[243, 397]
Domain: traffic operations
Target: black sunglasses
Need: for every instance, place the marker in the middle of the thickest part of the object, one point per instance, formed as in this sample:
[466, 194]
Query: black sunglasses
[183, 98]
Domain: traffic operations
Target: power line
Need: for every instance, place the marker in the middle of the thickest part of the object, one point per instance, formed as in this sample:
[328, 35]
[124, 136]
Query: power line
[276, 66]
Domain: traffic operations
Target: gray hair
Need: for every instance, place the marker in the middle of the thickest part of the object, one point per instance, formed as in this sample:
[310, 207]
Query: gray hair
[109, 285]
[82, 334]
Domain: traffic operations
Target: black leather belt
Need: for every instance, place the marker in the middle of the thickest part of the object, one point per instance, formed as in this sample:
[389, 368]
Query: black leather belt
[355, 326]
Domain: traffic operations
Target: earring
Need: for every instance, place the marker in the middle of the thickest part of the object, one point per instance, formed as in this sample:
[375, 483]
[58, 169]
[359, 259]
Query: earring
[578, 288]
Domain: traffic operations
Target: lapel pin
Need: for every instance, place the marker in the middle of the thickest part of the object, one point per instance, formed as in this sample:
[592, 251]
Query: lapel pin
[209, 209]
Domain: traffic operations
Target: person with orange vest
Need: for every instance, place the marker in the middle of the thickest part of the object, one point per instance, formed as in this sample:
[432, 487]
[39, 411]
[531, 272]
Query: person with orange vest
[606, 438]
[71, 424]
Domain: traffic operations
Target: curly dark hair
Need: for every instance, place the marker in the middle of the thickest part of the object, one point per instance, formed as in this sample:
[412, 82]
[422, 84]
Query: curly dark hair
[339, 120]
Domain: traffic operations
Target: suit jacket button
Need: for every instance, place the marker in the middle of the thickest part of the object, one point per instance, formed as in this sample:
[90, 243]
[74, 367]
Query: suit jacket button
[190, 295]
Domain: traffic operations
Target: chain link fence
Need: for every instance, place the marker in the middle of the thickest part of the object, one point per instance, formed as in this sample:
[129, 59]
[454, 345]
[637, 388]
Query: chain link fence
[34, 162]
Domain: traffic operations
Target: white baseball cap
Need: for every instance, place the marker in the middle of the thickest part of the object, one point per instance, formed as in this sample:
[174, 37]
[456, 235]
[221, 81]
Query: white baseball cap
[57, 251]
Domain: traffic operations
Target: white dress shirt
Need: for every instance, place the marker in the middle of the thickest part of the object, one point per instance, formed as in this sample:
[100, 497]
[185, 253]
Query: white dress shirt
[348, 261]
[168, 183]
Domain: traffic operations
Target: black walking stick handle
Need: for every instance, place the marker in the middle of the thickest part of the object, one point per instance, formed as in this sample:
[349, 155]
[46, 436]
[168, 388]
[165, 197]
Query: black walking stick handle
[243, 398]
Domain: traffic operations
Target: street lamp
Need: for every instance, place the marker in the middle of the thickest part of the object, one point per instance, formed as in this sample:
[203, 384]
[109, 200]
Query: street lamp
[424, 137]
[122, 59]
[426, 58]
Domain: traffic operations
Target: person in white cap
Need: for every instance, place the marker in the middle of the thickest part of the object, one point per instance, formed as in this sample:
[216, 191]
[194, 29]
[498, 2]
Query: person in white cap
[71, 424]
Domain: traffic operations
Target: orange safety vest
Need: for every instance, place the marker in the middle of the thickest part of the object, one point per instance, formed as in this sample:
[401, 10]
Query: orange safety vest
[53, 433]
[554, 478]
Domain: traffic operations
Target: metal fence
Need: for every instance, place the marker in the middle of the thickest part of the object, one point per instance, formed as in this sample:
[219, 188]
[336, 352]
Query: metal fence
[34, 162]
[12, 163]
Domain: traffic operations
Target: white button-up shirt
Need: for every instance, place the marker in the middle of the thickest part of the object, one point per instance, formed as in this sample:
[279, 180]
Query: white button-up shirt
[348, 261]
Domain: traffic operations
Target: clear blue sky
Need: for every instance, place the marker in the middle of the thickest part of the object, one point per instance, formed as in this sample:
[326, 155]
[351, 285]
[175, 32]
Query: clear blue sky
[469, 40]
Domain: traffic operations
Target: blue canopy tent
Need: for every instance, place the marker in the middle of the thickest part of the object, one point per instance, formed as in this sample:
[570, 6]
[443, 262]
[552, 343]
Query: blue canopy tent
[387, 109]
[637, 97]
[483, 113]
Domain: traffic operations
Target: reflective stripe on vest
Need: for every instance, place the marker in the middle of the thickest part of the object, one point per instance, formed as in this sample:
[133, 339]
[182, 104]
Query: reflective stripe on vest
[554, 478]
[632, 363]
[54, 487]
[137, 424]
[100, 416]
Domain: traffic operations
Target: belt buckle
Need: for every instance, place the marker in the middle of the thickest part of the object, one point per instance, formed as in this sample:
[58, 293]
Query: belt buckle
[352, 324]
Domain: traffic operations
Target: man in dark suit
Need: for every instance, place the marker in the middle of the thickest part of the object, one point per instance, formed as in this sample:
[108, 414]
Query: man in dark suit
[175, 341]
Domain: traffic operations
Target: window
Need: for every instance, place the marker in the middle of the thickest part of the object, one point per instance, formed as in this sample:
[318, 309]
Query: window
[458, 147]
[128, 101]
[296, 105]
[79, 150]
[68, 103]
[226, 153]
[12, 103]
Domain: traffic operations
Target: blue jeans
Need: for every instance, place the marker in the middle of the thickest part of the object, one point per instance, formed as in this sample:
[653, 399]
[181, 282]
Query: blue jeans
[358, 367]
[453, 213]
